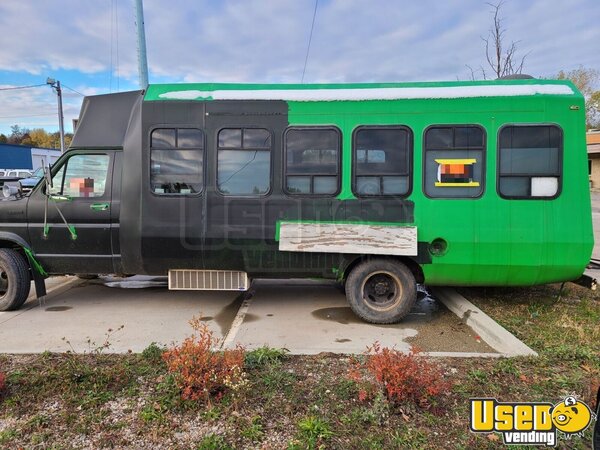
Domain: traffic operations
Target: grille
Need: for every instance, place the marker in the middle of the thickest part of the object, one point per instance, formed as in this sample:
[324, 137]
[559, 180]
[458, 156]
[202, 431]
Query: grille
[208, 280]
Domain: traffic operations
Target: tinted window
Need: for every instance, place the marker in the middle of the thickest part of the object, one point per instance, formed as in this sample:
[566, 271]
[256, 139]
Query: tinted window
[382, 158]
[454, 161]
[257, 138]
[189, 138]
[176, 160]
[163, 138]
[530, 161]
[312, 159]
[230, 138]
[244, 161]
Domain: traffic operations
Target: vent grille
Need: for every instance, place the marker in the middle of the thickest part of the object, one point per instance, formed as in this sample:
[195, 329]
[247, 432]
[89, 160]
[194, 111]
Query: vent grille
[208, 280]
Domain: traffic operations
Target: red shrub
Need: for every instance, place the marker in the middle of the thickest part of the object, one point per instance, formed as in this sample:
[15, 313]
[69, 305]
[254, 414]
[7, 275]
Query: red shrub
[401, 376]
[2, 382]
[202, 373]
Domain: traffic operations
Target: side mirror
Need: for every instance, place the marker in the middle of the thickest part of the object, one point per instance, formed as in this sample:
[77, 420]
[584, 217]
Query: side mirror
[47, 174]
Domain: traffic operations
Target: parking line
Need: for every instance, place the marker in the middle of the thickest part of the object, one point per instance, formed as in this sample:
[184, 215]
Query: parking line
[237, 323]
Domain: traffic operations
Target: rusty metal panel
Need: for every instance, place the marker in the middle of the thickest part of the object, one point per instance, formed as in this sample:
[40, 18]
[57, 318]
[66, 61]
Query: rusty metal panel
[348, 238]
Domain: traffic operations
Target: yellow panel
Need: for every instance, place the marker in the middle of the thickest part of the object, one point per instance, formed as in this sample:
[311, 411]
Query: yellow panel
[456, 161]
[470, 184]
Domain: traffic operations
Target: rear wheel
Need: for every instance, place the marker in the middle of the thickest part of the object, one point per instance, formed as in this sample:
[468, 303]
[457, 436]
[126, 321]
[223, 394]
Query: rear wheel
[381, 290]
[15, 280]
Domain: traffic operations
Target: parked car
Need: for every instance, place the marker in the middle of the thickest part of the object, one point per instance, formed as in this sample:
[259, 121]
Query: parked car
[13, 175]
[27, 184]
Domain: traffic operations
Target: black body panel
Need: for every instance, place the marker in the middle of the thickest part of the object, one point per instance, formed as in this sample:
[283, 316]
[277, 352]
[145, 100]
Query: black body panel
[149, 232]
[215, 231]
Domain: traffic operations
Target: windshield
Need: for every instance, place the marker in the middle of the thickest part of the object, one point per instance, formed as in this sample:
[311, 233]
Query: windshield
[39, 172]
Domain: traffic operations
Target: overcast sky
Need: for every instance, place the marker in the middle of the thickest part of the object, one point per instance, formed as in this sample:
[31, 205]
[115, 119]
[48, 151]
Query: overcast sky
[90, 46]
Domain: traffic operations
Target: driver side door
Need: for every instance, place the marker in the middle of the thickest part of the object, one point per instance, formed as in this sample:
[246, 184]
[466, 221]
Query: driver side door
[81, 191]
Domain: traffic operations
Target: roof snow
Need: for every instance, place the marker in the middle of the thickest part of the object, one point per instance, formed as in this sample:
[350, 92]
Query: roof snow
[358, 94]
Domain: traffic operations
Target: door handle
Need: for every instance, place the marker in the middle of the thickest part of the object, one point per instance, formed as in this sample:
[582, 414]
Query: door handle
[99, 206]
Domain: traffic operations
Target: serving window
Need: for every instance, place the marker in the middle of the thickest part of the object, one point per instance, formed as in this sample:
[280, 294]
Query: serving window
[176, 160]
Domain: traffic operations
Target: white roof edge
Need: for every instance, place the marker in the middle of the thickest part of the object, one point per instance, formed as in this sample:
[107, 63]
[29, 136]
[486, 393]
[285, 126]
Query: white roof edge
[358, 94]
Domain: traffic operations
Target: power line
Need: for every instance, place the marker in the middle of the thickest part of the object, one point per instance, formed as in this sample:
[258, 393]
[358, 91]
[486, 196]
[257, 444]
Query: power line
[71, 89]
[22, 87]
[312, 27]
[25, 116]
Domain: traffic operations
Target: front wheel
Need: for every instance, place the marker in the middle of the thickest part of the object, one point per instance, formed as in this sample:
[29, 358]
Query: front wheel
[15, 281]
[381, 290]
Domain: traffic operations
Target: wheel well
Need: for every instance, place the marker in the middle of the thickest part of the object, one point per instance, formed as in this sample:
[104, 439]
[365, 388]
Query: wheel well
[413, 266]
[14, 246]
[9, 244]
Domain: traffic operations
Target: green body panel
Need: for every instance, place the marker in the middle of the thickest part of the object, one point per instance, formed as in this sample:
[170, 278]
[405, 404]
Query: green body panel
[491, 241]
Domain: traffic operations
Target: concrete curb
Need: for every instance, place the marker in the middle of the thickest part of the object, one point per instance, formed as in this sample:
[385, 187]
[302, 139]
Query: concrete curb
[488, 329]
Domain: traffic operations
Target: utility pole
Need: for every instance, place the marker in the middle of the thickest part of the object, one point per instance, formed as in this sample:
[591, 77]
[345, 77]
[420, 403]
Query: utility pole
[56, 86]
[141, 39]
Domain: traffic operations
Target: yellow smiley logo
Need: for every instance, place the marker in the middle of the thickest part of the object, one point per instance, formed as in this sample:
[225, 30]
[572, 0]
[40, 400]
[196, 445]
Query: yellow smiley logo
[571, 416]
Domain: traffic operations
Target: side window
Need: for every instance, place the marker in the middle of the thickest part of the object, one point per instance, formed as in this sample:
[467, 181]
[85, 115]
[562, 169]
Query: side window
[382, 161]
[454, 161]
[81, 176]
[312, 161]
[176, 157]
[530, 161]
[244, 161]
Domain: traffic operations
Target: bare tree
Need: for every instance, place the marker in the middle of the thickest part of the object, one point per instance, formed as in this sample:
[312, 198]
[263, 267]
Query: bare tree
[502, 60]
[587, 81]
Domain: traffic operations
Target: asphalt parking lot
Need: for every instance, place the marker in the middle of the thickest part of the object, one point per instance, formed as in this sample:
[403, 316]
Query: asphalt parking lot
[303, 316]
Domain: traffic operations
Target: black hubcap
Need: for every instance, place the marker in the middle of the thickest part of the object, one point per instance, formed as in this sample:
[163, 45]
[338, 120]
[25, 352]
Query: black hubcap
[381, 289]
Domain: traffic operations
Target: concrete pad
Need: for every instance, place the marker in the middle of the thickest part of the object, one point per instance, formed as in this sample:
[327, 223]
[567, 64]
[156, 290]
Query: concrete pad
[491, 331]
[304, 316]
[80, 318]
[311, 317]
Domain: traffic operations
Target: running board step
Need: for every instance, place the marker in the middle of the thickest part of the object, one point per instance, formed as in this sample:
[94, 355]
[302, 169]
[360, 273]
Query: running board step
[208, 280]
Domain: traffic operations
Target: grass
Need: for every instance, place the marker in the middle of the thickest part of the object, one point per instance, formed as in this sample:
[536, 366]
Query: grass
[264, 356]
[312, 433]
[301, 402]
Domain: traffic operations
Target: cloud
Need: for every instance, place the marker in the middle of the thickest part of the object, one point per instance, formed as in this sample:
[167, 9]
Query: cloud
[38, 107]
[258, 40]
[266, 40]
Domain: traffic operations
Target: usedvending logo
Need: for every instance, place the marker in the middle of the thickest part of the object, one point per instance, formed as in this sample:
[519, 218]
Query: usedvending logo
[530, 423]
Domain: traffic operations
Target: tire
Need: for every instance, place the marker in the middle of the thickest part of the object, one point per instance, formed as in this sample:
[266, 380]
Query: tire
[15, 280]
[381, 290]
